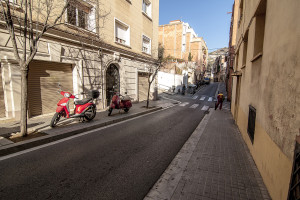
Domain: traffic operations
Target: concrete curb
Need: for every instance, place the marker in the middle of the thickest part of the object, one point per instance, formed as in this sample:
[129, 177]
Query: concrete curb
[166, 185]
[20, 146]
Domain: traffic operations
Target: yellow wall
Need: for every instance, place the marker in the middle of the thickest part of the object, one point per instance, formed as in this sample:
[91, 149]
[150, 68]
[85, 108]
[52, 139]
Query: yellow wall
[270, 85]
[274, 166]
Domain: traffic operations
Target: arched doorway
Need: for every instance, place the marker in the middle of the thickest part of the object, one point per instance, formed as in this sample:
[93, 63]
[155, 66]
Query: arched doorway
[112, 81]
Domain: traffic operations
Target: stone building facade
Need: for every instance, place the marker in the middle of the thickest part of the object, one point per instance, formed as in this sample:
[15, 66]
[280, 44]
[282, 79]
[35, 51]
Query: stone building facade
[265, 92]
[180, 41]
[117, 52]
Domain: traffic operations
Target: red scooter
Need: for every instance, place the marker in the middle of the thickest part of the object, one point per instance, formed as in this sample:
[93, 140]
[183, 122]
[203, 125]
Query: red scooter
[117, 102]
[85, 108]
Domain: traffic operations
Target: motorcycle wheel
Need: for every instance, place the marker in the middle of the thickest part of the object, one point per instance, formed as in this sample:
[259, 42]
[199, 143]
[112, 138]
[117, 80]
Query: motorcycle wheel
[55, 119]
[90, 114]
[126, 109]
[109, 111]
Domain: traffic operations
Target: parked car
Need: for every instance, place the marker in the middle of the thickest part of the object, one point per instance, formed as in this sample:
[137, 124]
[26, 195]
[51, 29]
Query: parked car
[207, 80]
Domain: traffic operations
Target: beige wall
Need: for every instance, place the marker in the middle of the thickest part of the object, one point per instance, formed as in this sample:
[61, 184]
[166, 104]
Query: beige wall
[269, 83]
[132, 15]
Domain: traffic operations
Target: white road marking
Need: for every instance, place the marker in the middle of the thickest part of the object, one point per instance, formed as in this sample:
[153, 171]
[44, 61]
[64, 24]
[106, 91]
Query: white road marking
[195, 97]
[184, 104]
[205, 108]
[210, 99]
[202, 98]
[194, 106]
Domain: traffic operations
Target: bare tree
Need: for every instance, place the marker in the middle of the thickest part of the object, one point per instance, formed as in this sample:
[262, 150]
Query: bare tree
[160, 63]
[27, 22]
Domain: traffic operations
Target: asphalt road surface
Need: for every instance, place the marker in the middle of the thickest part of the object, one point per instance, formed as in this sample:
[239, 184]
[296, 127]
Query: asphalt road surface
[122, 161]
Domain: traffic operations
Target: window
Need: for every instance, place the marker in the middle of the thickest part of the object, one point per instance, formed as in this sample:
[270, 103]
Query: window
[82, 19]
[251, 122]
[183, 43]
[71, 13]
[122, 33]
[260, 16]
[146, 45]
[147, 7]
[245, 49]
[80, 14]
[183, 48]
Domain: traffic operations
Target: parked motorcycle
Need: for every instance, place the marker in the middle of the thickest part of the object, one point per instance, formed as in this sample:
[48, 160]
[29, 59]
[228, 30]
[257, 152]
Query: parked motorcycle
[84, 109]
[120, 102]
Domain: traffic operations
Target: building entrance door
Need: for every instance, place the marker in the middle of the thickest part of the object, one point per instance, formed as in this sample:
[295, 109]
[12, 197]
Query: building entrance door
[112, 82]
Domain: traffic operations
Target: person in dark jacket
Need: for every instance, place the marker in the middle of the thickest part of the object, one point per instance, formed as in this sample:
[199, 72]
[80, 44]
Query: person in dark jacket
[183, 89]
[220, 101]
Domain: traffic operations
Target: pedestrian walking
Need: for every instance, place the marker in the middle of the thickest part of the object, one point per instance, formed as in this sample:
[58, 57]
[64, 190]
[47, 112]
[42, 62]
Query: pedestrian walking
[183, 89]
[220, 100]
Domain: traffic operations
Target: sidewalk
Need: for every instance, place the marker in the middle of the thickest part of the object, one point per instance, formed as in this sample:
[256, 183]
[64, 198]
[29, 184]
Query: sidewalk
[69, 127]
[214, 164]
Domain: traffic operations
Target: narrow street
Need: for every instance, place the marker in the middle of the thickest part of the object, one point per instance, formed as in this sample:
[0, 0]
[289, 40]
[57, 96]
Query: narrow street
[149, 100]
[122, 161]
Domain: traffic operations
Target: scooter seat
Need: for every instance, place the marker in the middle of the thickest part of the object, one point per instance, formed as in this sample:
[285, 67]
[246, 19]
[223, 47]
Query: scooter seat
[83, 101]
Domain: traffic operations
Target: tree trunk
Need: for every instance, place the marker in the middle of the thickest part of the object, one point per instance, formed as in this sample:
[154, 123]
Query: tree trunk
[24, 102]
[148, 95]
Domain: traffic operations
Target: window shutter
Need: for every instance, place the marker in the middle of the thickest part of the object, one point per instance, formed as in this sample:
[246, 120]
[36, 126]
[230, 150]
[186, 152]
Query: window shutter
[121, 32]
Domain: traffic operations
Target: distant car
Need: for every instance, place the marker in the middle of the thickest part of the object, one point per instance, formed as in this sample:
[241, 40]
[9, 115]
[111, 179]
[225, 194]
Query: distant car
[207, 80]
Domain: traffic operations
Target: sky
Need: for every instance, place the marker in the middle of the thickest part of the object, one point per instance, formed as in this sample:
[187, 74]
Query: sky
[208, 18]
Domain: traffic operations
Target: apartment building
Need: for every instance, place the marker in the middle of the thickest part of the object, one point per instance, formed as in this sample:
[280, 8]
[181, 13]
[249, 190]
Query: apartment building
[217, 64]
[231, 53]
[102, 44]
[265, 92]
[181, 42]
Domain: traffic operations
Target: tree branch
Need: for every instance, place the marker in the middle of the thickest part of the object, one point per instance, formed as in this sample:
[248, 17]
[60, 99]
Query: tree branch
[46, 26]
[31, 41]
[25, 32]
[11, 30]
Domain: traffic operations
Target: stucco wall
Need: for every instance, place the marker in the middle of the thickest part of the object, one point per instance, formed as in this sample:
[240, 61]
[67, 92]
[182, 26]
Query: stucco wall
[269, 84]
